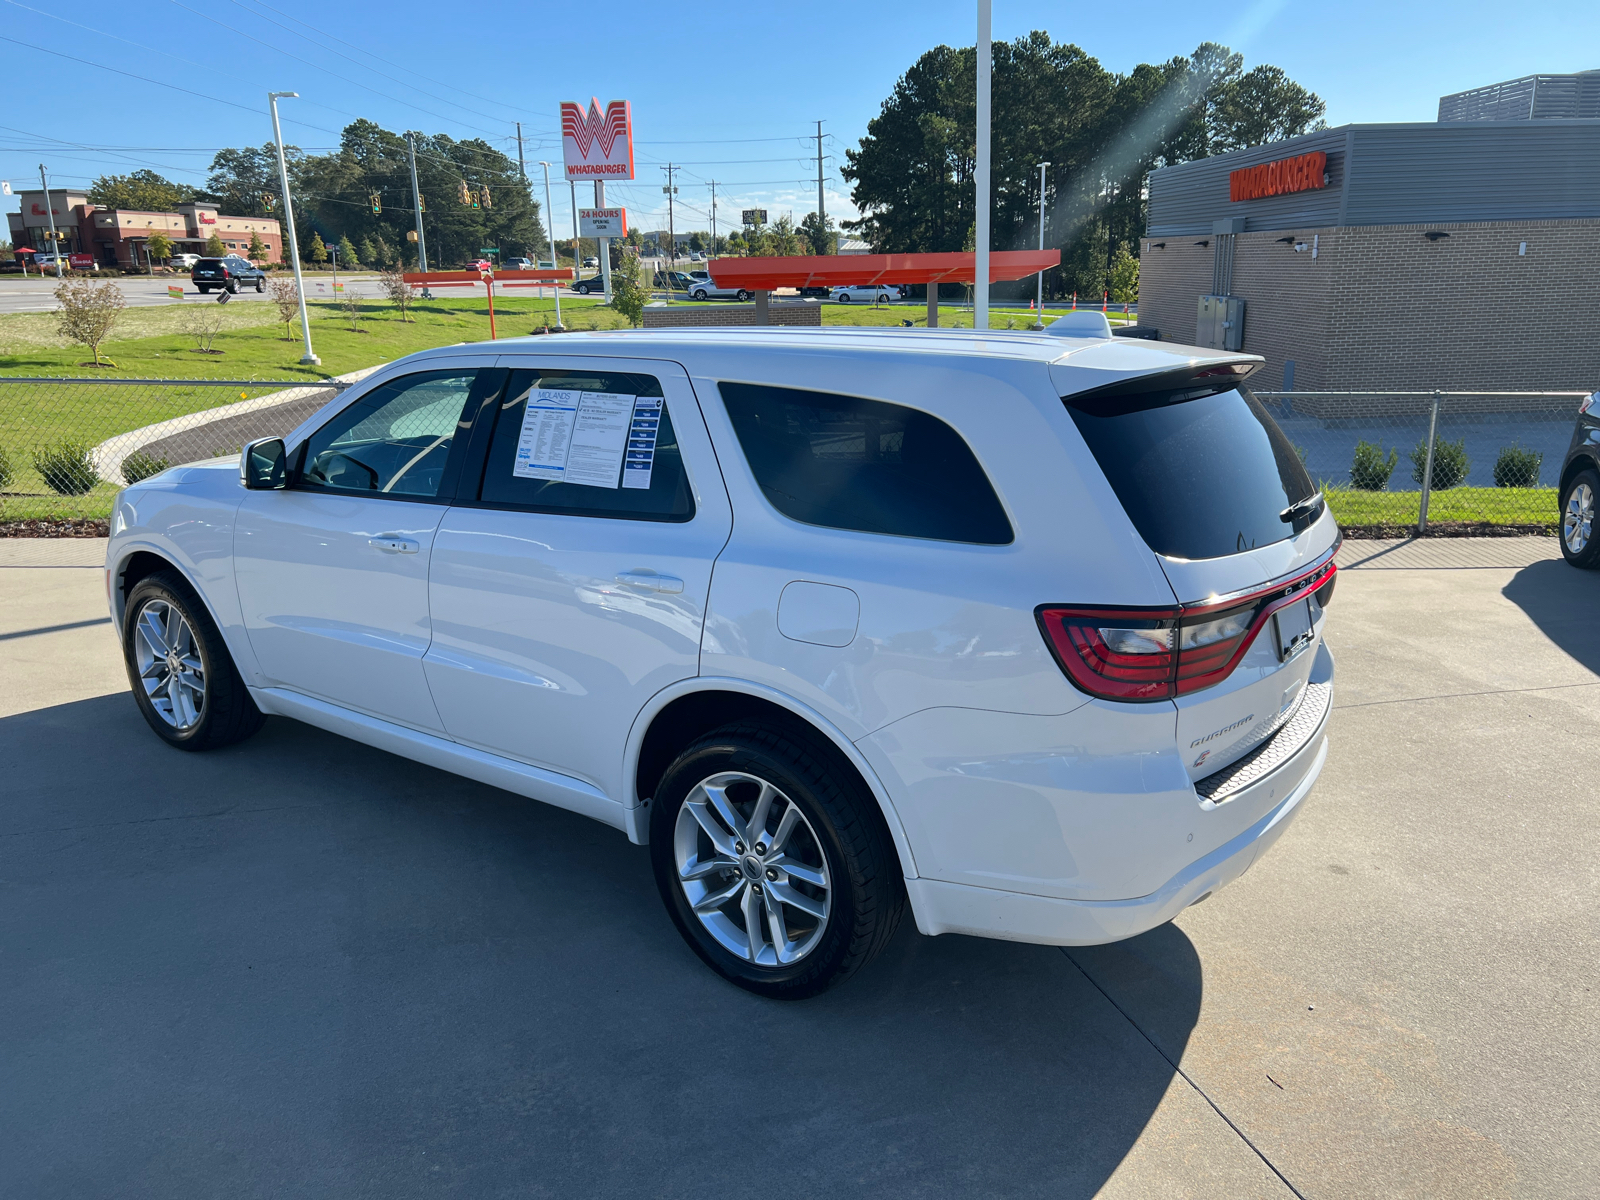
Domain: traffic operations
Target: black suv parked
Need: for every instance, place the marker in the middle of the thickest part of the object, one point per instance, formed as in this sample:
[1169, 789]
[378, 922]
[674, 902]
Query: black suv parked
[227, 272]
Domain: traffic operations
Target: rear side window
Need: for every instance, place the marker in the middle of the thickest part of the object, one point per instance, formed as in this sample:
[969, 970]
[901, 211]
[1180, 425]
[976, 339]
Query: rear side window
[587, 444]
[850, 463]
[1199, 478]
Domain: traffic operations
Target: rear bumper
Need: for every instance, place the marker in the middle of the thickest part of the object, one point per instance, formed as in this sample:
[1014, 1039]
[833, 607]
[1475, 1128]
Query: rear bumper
[1052, 921]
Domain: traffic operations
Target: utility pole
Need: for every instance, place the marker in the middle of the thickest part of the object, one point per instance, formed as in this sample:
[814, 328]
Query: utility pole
[55, 241]
[713, 215]
[822, 212]
[309, 358]
[672, 235]
[980, 283]
[550, 232]
[521, 166]
[1038, 320]
[416, 202]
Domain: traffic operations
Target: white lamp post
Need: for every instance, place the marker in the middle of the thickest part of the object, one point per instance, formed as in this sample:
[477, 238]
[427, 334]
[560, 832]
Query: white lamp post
[309, 358]
[550, 232]
[1039, 318]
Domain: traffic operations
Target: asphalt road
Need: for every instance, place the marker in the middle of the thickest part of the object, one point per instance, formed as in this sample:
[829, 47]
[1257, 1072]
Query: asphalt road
[38, 295]
[303, 967]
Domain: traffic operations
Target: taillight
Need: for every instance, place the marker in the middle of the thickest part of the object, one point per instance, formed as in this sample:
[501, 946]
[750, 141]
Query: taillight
[1144, 654]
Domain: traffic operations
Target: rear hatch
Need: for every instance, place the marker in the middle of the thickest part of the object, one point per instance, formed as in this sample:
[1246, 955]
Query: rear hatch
[1221, 496]
[210, 268]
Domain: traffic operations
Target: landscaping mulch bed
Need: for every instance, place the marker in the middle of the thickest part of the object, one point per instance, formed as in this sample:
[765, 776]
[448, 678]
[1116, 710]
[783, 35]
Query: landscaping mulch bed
[62, 527]
[1447, 529]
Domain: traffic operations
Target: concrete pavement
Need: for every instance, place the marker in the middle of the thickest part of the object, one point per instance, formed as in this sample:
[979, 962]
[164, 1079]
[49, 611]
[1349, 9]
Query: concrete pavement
[302, 966]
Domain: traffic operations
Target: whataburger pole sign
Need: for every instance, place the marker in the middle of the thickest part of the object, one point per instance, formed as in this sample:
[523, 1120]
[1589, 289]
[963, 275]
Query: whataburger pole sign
[597, 145]
[1298, 174]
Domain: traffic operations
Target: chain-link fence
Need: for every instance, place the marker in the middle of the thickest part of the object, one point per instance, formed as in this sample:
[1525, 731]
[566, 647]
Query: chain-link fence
[67, 445]
[1432, 459]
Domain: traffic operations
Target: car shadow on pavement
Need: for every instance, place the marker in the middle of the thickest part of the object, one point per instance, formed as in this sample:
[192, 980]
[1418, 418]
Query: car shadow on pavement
[1561, 601]
[303, 966]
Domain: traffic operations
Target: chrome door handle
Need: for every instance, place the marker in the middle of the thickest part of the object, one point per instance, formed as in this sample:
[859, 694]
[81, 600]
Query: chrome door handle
[651, 581]
[390, 544]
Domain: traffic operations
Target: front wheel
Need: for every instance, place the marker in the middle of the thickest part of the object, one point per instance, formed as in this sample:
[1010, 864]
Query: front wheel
[742, 296]
[261, 284]
[773, 861]
[583, 289]
[1578, 544]
[844, 299]
[699, 295]
[182, 675]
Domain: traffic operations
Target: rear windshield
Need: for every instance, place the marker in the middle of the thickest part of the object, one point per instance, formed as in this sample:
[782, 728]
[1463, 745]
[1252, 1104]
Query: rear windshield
[1200, 478]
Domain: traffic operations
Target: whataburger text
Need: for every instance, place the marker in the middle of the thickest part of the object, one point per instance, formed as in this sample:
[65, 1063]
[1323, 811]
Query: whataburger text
[1298, 174]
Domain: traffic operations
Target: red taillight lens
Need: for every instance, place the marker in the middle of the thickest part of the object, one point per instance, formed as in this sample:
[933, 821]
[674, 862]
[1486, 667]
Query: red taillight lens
[1118, 653]
[1144, 654]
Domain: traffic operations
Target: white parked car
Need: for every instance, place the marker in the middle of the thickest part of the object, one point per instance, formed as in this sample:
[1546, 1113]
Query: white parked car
[1022, 632]
[184, 261]
[702, 287]
[865, 293]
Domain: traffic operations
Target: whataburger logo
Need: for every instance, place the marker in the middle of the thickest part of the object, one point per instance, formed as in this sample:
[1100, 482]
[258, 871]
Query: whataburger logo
[596, 143]
[1298, 174]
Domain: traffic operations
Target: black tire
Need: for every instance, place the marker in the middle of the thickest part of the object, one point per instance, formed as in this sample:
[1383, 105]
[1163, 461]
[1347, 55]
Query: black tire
[261, 284]
[1581, 494]
[227, 714]
[699, 294]
[205, 290]
[233, 287]
[844, 297]
[583, 289]
[841, 824]
[742, 296]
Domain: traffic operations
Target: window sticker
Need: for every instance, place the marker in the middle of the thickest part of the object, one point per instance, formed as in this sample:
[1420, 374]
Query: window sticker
[599, 439]
[642, 433]
[546, 434]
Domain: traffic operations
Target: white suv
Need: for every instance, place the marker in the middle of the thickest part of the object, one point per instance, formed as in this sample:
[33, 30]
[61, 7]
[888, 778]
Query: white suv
[1022, 631]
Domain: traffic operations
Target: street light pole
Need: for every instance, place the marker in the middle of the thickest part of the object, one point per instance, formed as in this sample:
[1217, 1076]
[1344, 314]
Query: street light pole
[550, 232]
[1038, 321]
[309, 358]
[55, 241]
[980, 283]
[416, 202]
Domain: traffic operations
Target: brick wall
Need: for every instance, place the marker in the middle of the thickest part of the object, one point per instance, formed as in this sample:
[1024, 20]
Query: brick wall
[669, 317]
[1383, 307]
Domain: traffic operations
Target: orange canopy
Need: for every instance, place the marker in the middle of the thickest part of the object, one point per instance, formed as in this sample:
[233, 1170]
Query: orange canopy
[836, 270]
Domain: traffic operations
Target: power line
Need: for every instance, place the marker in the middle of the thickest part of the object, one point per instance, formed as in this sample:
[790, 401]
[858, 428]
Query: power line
[129, 74]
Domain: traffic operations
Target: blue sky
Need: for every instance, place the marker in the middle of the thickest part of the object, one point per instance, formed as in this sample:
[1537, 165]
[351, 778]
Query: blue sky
[730, 91]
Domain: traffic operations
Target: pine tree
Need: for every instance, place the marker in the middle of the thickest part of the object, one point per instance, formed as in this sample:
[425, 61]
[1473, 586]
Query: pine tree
[347, 252]
[214, 247]
[319, 249]
[257, 251]
[368, 255]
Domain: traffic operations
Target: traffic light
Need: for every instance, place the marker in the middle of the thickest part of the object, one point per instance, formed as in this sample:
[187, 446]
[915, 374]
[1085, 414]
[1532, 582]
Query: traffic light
[268, 200]
[466, 194]
[487, 203]
[377, 203]
[476, 203]
[422, 203]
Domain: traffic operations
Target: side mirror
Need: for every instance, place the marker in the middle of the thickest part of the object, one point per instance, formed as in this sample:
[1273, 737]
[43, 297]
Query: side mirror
[262, 465]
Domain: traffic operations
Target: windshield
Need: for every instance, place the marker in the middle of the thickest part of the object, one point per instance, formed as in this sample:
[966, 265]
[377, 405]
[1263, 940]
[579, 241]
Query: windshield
[1200, 478]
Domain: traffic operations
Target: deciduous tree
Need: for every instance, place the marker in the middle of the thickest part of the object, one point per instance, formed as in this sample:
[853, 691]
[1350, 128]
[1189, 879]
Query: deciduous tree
[143, 190]
[88, 312]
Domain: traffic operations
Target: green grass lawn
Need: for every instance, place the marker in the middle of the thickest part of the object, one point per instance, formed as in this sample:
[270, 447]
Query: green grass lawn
[1498, 506]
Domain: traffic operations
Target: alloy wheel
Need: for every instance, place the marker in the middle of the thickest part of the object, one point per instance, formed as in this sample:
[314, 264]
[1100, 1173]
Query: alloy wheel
[1579, 515]
[752, 869]
[170, 667]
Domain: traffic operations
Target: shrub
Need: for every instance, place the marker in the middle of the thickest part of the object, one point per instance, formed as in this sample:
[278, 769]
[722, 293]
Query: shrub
[286, 296]
[1450, 463]
[1370, 470]
[202, 322]
[402, 294]
[88, 311]
[66, 468]
[628, 293]
[350, 304]
[140, 465]
[6, 471]
[1517, 467]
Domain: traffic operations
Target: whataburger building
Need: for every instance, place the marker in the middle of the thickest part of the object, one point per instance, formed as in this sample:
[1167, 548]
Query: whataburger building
[1462, 254]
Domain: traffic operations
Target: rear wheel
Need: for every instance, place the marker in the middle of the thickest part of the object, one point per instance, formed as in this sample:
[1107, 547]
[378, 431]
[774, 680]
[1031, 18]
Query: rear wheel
[233, 287]
[1579, 544]
[205, 290]
[182, 675]
[773, 861]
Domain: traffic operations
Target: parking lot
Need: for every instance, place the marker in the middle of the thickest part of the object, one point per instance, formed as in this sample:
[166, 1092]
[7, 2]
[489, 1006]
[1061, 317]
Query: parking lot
[305, 967]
